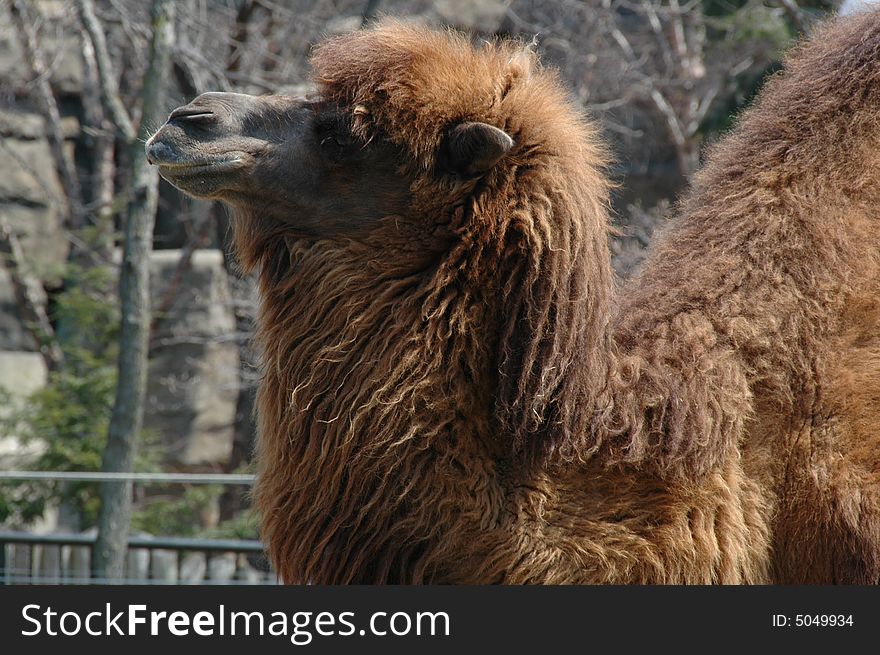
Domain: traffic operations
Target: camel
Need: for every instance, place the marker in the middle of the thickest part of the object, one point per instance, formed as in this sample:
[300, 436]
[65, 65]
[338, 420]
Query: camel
[456, 389]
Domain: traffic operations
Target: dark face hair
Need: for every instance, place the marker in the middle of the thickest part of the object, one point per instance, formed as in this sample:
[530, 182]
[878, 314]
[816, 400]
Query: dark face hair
[302, 161]
[294, 159]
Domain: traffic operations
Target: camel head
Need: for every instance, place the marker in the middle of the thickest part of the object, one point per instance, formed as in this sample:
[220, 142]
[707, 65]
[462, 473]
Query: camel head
[294, 158]
[305, 162]
[465, 170]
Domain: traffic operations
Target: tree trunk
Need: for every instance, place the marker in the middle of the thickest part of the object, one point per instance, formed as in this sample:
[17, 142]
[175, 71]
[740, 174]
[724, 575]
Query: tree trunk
[108, 559]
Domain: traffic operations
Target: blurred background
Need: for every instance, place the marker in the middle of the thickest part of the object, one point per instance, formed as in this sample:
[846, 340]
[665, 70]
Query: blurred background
[81, 85]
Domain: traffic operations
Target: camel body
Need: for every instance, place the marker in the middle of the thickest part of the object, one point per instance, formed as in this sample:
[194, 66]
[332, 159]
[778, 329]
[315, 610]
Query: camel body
[455, 391]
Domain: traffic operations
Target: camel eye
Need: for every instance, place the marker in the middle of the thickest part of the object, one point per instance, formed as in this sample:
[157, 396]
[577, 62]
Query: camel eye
[333, 131]
[335, 139]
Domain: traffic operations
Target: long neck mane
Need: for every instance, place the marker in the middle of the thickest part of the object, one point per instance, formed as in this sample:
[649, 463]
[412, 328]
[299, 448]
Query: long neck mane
[387, 395]
[367, 382]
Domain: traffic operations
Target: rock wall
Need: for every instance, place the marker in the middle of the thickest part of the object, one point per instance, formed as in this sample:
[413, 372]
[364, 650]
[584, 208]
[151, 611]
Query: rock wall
[193, 378]
[21, 373]
[30, 192]
[194, 363]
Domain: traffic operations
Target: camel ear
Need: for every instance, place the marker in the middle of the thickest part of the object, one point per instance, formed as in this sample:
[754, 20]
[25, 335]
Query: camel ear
[473, 148]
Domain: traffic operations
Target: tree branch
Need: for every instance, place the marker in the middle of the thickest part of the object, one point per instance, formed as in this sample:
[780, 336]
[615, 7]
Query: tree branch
[30, 297]
[241, 34]
[107, 77]
[24, 26]
[794, 13]
[102, 140]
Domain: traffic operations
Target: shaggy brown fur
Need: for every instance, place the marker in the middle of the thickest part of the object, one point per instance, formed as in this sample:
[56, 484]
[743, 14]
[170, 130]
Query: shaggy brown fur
[780, 248]
[451, 393]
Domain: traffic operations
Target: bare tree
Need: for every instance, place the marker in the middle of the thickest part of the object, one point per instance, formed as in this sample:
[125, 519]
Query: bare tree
[24, 23]
[127, 417]
[29, 296]
[29, 293]
[100, 132]
[667, 66]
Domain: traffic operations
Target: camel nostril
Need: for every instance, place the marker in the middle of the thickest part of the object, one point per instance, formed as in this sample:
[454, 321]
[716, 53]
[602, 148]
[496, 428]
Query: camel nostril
[191, 114]
[160, 153]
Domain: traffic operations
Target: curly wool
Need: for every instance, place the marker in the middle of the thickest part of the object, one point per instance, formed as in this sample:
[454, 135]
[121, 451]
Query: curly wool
[466, 399]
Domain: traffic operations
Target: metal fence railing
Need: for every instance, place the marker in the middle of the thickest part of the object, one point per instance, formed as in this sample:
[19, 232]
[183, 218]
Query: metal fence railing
[27, 558]
[56, 558]
[159, 478]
